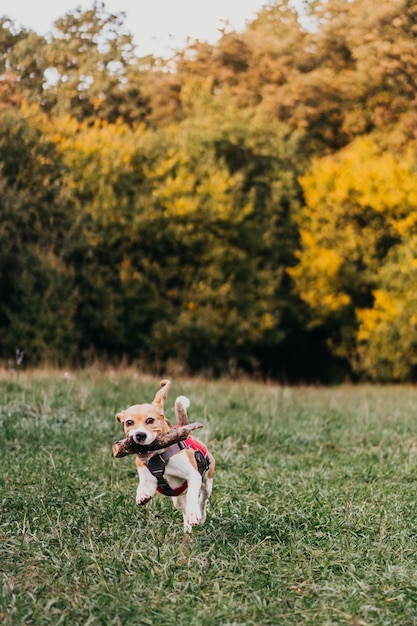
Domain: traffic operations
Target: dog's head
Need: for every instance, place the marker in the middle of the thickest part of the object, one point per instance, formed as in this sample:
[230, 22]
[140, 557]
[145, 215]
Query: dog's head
[143, 422]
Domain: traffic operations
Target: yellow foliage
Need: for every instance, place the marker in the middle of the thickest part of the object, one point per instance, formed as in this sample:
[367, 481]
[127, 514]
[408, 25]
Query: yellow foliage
[363, 176]
[317, 277]
[387, 334]
[383, 314]
[355, 201]
[387, 338]
[268, 321]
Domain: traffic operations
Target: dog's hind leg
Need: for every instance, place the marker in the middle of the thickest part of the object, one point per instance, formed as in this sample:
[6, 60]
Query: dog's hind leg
[206, 489]
[180, 503]
[205, 493]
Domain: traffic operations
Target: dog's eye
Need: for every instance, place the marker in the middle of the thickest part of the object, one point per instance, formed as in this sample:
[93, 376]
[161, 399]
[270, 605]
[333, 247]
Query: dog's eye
[150, 420]
[129, 422]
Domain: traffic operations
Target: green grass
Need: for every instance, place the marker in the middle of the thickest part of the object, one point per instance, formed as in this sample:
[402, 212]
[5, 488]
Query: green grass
[313, 517]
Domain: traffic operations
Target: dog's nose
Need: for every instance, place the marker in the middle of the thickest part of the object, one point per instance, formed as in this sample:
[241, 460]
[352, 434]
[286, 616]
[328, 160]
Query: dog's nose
[139, 437]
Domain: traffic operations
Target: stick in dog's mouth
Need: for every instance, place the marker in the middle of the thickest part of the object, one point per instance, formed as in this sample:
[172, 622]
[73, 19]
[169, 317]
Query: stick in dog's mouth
[164, 440]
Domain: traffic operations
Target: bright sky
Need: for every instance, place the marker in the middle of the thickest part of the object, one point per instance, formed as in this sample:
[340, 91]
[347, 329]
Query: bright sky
[156, 25]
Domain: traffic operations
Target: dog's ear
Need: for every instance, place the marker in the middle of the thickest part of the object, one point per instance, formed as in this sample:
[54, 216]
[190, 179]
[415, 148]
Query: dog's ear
[120, 417]
[162, 394]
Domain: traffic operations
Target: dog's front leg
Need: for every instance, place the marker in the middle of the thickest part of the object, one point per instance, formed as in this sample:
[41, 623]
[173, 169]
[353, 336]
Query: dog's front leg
[192, 513]
[188, 503]
[147, 483]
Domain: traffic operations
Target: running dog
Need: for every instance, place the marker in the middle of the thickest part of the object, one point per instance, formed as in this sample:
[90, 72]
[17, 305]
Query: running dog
[183, 471]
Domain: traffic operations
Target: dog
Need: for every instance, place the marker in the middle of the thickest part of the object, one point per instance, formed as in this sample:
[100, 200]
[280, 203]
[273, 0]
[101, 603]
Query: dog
[183, 471]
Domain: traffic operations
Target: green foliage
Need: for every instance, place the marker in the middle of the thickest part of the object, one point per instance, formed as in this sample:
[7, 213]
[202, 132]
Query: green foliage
[163, 197]
[185, 224]
[23, 60]
[37, 293]
[311, 517]
[88, 58]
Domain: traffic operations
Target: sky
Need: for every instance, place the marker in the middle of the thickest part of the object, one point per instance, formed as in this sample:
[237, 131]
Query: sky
[156, 25]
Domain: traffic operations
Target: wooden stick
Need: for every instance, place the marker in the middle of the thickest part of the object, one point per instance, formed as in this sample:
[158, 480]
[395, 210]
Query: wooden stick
[129, 446]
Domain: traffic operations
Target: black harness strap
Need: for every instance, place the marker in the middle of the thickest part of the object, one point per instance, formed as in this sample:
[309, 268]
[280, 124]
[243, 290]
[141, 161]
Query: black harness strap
[203, 462]
[157, 464]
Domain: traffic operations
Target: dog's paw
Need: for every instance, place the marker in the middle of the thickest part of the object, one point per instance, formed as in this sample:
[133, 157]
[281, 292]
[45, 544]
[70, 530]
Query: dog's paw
[193, 518]
[142, 498]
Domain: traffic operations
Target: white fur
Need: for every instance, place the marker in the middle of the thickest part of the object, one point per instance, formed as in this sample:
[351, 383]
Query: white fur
[146, 487]
[193, 502]
[150, 437]
[178, 469]
[184, 401]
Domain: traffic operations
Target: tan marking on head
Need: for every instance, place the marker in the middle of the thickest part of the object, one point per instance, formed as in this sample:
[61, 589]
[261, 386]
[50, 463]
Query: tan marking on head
[120, 417]
[145, 416]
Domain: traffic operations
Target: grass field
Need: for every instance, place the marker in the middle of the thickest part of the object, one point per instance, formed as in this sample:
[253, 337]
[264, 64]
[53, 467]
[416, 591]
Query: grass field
[313, 517]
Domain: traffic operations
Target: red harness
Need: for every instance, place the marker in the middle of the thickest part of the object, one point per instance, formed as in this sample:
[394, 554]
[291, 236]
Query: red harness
[192, 443]
[157, 464]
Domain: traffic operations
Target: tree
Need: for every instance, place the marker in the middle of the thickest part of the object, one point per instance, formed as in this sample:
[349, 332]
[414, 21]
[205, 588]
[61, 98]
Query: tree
[187, 232]
[360, 210]
[36, 301]
[88, 54]
[344, 70]
[22, 65]
[387, 334]
[95, 74]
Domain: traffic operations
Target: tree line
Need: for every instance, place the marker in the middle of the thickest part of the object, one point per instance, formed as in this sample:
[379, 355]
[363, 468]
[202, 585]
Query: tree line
[244, 206]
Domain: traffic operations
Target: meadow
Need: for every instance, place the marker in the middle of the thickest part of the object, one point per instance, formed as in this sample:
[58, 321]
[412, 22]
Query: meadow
[312, 521]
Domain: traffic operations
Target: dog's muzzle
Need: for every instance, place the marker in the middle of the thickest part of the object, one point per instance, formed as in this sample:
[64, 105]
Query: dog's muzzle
[142, 437]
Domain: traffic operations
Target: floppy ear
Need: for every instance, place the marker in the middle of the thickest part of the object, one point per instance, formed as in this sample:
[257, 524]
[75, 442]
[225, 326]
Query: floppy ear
[162, 394]
[120, 417]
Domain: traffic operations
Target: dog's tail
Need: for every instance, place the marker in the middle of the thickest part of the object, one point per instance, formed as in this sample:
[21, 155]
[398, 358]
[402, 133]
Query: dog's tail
[181, 405]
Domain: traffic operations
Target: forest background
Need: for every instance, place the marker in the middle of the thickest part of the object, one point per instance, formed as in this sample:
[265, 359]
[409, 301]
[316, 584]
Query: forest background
[244, 206]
